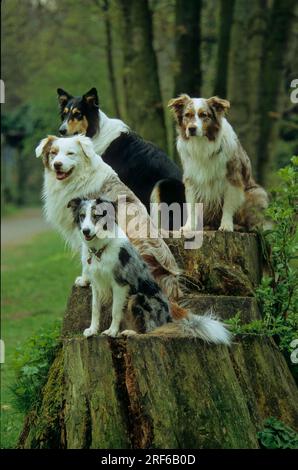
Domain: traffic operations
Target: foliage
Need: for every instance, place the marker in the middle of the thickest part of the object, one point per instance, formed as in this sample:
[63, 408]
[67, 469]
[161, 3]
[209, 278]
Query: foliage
[32, 363]
[35, 278]
[276, 435]
[278, 293]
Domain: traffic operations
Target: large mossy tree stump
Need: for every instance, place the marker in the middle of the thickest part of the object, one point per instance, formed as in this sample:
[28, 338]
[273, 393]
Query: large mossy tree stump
[169, 390]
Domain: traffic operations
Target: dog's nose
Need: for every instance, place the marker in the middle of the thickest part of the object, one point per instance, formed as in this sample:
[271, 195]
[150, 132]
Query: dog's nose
[86, 231]
[62, 130]
[57, 165]
[192, 130]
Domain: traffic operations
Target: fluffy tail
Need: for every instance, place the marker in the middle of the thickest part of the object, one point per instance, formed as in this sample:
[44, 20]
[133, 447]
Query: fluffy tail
[206, 327]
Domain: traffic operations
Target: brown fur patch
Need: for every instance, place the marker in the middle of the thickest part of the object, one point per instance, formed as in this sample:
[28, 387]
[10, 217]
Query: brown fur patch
[219, 104]
[177, 105]
[177, 312]
[46, 150]
[77, 126]
[211, 124]
[63, 99]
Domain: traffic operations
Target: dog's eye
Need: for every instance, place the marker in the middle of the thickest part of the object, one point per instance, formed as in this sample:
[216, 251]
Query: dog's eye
[82, 216]
[188, 115]
[77, 115]
[70, 153]
[203, 115]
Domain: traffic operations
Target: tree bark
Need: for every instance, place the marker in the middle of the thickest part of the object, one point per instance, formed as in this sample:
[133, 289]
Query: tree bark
[144, 105]
[109, 52]
[187, 34]
[279, 28]
[246, 60]
[165, 389]
[226, 12]
[259, 40]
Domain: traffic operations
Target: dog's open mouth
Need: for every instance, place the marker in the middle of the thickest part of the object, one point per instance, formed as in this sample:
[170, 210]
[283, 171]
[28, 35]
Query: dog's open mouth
[61, 175]
[89, 237]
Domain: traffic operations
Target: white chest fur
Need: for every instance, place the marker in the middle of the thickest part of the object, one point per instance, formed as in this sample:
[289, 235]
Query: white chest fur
[205, 163]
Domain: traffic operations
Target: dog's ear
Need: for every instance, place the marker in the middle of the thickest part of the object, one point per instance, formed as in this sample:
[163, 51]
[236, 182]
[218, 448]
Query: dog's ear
[108, 210]
[177, 105]
[87, 147]
[74, 203]
[220, 105]
[91, 97]
[44, 146]
[63, 97]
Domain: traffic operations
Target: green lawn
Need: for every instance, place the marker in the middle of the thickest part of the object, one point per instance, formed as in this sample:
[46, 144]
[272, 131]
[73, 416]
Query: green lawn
[35, 284]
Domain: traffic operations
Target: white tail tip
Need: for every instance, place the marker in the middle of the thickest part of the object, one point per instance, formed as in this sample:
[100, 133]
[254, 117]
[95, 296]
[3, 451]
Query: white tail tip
[208, 328]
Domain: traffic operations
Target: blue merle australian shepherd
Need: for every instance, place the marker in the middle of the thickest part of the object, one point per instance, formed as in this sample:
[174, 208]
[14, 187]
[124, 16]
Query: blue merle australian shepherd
[140, 165]
[116, 271]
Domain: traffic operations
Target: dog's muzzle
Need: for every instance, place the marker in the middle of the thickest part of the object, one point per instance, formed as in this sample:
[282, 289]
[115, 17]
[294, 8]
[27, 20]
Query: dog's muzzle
[192, 131]
[63, 129]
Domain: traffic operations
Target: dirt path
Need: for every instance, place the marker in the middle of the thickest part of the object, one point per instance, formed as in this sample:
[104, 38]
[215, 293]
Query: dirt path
[22, 227]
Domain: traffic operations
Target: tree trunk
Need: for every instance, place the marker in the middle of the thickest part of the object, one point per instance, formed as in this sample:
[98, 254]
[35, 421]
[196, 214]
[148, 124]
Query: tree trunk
[246, 61]
[187, 34]
[167, 390]
[259, 40]
[226, 12]
[144, 105]
[109, 52]
[270, 98]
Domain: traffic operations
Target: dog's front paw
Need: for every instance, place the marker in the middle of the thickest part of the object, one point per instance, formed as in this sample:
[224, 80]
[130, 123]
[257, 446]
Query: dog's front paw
[89, 332]
[113, 332]
[226, 227]
[82, 281]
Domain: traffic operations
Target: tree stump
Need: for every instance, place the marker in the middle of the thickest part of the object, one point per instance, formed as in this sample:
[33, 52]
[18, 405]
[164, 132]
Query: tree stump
[169, 390]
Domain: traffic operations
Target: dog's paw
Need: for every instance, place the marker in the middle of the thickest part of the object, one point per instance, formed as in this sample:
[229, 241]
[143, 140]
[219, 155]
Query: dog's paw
[112, 332]
[89, 332]
[128, 333]
[226, 227]
[82, 281]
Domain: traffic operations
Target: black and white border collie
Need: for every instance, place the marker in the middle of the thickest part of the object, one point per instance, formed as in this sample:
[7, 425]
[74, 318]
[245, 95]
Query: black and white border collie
[140, 165]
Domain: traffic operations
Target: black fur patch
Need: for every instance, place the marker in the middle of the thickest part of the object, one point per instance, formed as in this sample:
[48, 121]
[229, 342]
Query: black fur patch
[148, 287]
[86, 107]
[124, 256]
[140, 165]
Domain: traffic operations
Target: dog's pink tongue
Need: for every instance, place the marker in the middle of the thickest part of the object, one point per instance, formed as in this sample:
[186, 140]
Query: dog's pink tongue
[61, 176]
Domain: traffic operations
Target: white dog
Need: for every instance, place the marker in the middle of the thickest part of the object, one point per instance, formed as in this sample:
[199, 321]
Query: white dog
[73, 169]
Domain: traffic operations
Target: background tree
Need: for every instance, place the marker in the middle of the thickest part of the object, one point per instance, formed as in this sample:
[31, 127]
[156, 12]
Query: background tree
[248, 35]
[140, 74]
[139, 53]
[225, 12]
[270, 100]
[187, 39]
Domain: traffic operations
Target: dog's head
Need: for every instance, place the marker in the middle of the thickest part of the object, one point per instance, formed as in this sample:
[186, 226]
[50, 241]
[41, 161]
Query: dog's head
[79, 114]
[94, 217]
[198, 117]
[64, 156]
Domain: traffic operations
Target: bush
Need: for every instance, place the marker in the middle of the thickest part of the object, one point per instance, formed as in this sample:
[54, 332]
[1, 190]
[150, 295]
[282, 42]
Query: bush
[278, 294]
[32, 363]
[276, 435]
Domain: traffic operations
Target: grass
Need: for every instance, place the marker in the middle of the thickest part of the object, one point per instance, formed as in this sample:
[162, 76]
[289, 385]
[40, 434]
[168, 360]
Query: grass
[35, 284]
